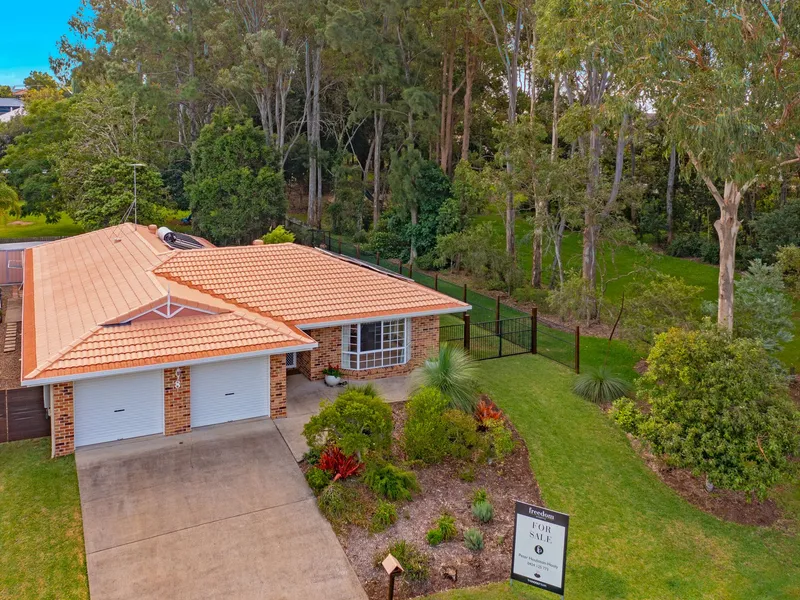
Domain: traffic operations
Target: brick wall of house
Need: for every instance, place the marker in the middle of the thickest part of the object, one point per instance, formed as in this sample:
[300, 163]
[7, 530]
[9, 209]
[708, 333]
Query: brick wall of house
[62, 410]
[424, 342]
[277, 386]
[177, 401]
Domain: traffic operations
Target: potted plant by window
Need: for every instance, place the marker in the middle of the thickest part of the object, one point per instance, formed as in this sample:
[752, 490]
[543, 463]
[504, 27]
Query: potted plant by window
[333, 375]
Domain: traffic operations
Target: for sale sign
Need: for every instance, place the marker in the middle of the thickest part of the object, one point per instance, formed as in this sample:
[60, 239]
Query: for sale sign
[540, 547]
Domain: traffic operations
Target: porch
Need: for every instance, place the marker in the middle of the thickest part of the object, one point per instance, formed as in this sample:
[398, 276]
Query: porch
[304, 396]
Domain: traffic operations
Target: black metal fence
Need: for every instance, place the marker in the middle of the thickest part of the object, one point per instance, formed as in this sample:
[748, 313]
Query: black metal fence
[491, 330]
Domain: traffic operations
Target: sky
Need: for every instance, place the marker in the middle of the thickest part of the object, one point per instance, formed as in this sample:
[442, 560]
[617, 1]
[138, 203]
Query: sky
[30, 32]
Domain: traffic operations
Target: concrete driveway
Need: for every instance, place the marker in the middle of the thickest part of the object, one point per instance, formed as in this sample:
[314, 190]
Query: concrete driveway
[222, 512]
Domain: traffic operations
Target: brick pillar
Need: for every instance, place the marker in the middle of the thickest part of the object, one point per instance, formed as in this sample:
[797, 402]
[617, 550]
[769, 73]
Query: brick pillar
[277, 386]
[177, 401]
[63, 415]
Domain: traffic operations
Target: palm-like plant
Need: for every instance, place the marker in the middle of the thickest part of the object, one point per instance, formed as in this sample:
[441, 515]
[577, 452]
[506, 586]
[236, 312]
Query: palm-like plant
[453, 373]
[601, 386]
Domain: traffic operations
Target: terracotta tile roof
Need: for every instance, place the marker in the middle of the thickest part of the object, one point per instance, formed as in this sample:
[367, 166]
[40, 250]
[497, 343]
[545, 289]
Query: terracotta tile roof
[81, 293]
[299, 284]
[167, 341]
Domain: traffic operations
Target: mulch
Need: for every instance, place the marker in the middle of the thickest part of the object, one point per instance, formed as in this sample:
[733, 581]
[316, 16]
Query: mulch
[443, 491]
[728, 505]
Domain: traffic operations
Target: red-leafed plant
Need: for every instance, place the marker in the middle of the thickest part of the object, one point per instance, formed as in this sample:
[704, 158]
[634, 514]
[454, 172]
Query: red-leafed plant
[487, 411]
[338, 464]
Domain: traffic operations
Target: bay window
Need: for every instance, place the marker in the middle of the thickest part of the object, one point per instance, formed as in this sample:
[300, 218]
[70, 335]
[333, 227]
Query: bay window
[375, 344]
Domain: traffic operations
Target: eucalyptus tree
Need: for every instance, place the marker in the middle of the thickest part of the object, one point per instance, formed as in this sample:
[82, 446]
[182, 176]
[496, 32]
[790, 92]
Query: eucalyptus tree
[724, 77]
[583, 41]
[506, 26]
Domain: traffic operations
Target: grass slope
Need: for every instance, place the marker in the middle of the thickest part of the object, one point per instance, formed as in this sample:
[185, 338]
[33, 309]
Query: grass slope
[624, 261]
[631, 536]
[39, 228]
[41, 532]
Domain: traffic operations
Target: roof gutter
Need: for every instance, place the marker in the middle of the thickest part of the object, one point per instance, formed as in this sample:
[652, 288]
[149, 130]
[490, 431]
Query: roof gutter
[379, 317]
[168, 365]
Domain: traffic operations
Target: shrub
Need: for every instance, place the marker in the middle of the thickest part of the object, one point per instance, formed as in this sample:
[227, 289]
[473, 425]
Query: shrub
[415, 563]
[473, 539]
[694, 245]
[718, 406]
[654, 306]
[434, 537]
[501, 443]
[313, 455]
[574, 300]
[433, 432]
[487, 411]
[388, 245]
[385, 516]
[483, 511]
[279, 235]
[788, 258]
[778, 228]
[390, 481]
[318, 479]
[480, 495]
[338, 464]
[354, 421]
[443, 530]
[763, 311]
[600, 386]
[626, 415]
[531, 295]
[467, 474]
[334, 502]
[453, 373]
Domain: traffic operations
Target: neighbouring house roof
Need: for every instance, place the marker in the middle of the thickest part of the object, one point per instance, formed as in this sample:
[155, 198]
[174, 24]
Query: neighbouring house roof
[119, 298]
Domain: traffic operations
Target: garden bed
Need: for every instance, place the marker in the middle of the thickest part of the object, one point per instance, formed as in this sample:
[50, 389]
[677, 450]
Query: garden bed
[728, 505]
[445, 488]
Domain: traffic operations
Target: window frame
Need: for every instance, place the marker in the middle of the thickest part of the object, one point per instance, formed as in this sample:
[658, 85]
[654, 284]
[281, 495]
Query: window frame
[361, 359]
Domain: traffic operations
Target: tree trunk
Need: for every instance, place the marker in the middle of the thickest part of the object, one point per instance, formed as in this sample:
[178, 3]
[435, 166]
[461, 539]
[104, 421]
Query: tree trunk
[313, 75]
[447, 146]
[414, 220]
[512, 71]
[727, 227]
[470, 76]
[673, 164]
[376, 160]
[554, 140]
[538, 234]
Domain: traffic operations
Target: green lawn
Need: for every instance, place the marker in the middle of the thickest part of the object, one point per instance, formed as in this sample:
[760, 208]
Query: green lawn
[41, 533]
[38, 227]
[624, 261]
[631, 536]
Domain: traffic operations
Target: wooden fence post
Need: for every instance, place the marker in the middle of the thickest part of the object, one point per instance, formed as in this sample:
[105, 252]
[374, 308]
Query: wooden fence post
[534, 330]
[358, 251]
[411, 270]
[578, 349]
[466, 332]
[340, 244]
[313, 236]
[436, 281]
[378, 258]
[400, 266]
[497, 315]
[465, 292]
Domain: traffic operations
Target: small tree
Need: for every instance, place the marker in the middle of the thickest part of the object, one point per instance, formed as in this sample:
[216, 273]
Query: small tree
[764, 312]
[789, 265]
[718, 406]
[235, 188]
[108, 193]
[656, 305]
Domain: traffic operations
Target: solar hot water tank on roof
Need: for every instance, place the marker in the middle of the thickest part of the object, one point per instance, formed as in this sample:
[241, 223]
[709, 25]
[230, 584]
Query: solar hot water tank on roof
[178, 241]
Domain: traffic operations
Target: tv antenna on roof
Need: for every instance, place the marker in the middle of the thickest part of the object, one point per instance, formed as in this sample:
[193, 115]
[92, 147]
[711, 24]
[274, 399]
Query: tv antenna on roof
[135, 210]
[133, 205]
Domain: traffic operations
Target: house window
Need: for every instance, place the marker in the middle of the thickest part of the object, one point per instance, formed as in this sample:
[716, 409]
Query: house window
[376, 344]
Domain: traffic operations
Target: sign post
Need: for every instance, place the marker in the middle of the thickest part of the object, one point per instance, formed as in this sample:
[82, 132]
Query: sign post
[540, 547]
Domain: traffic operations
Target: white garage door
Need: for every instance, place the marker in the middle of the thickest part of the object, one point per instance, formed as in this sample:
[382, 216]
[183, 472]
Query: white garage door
[118, 407]
[230, 390]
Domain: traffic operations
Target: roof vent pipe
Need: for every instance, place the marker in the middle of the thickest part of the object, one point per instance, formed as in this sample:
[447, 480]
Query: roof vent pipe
[164, 234]
[258, 242]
